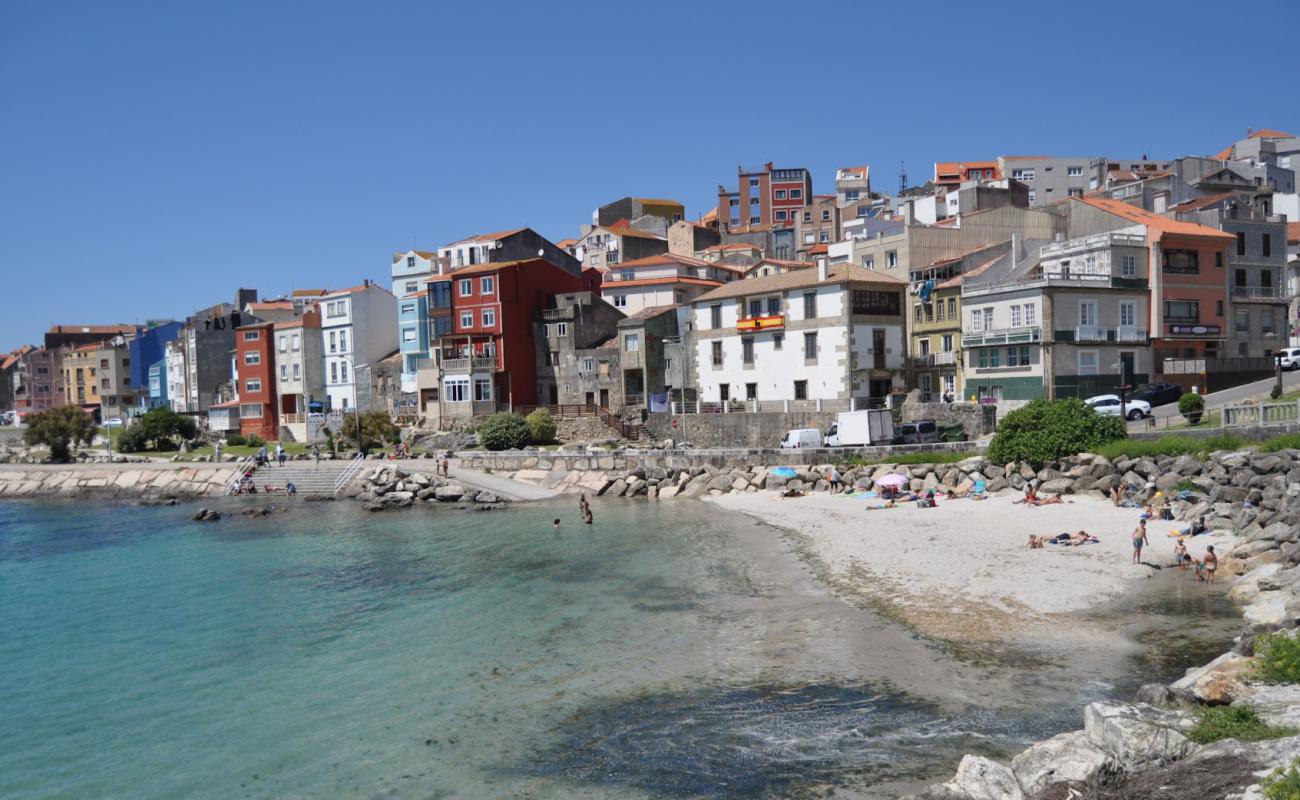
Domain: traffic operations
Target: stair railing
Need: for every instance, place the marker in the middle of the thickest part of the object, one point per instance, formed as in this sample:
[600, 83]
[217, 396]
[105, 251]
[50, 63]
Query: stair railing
[232, 485]
[349, 472]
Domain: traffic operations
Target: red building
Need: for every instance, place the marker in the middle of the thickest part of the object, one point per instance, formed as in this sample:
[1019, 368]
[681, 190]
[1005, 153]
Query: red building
[766, 197]
[487, 353]
[255, 367]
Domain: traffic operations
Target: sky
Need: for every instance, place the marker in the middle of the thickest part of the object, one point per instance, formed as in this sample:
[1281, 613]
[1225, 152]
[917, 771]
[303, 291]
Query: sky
[155, 156]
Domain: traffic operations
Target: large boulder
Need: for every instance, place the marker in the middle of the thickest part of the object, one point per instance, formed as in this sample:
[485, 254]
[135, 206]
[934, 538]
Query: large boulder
[1068, 757]
[450, 493]
[1137, 735]
[1057, 486]
[1277, 705]
[1219, 682]
[980, 778]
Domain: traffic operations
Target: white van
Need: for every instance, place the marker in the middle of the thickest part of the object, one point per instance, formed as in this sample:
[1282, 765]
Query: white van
[802, 437]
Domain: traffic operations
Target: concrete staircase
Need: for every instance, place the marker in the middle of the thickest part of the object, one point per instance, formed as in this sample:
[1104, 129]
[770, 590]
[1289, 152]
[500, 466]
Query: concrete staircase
[308, 477]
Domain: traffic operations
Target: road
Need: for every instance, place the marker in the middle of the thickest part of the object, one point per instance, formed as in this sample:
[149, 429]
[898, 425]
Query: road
[501, 487]
[1247, 391]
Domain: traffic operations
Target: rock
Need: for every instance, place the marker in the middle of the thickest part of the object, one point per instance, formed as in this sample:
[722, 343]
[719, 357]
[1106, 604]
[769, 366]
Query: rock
[486, 497]
[207, 515]
[1066, 757]
[450, 493]
[1277, 705]
[1136, 735]
[1219, 682]
[981, 778]
[1057, 486]
[1269, 609]
[1155, 694]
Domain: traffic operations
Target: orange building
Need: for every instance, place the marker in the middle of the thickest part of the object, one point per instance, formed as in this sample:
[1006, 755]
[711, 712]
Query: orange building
[255, 366]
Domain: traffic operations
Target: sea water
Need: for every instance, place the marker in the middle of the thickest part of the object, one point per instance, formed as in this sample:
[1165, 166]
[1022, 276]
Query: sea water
[668, 650]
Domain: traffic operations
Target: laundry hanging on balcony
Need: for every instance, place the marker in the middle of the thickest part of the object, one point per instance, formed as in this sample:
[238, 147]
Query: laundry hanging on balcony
[927, 288]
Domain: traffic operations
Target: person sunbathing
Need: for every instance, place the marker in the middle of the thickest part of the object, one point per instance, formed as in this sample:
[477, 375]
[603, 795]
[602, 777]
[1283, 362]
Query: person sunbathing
[1048, 501]
[1082, 537]
[1196, 528]
[1031, 496]
[1037, 542]
[792, 493]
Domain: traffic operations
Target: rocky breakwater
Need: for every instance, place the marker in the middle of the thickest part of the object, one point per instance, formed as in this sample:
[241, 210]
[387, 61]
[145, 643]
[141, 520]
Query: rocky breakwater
[1148, 748]
[392, 487]
[147, 482]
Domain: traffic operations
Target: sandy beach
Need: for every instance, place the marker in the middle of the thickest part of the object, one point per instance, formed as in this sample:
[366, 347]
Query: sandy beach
[962, 571]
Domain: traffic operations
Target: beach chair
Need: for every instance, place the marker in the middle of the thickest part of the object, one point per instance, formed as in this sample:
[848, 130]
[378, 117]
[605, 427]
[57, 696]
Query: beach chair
[980, 487]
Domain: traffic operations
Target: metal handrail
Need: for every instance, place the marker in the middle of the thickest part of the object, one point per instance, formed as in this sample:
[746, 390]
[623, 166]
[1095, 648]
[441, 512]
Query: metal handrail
[349, 472]
[232, 485]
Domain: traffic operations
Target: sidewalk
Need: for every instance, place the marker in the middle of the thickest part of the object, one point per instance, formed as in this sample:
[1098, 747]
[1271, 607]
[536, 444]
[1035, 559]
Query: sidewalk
[501, 487]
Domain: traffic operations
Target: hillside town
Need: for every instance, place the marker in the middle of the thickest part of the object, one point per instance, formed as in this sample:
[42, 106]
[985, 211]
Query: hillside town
[995, 281]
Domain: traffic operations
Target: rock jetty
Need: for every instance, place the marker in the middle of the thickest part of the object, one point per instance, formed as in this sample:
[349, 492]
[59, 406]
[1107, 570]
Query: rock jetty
[392, 487]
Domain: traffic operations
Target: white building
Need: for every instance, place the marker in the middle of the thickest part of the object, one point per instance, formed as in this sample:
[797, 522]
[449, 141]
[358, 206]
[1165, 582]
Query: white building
[177, 389]
[662, 280]
[358, 329]
[822, 334]
[411, 269]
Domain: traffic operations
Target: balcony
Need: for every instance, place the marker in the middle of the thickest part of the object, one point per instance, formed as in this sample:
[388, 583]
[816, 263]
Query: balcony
[1274, 294]
[464, 365]
[942, 359]
[1098, 333]
[1022, 335]
[1129, 333]
[761, 323]
[557, 313]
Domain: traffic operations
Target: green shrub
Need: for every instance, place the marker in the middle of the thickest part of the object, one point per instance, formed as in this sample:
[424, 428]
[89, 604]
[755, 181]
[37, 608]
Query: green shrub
[253, 440]
[1191, 406]
[1275, 392]
[1277, 658]
[58, 429]
[377, 430]
[541, 428]
[504, 431]
[1168, 446]
[1283, 784]
[1285, 441]
[1242, 723]
[235, 439]
[133, 440]
[1045, 430]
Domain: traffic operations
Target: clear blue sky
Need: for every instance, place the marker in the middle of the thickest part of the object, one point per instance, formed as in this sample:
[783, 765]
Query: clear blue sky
[156, 155]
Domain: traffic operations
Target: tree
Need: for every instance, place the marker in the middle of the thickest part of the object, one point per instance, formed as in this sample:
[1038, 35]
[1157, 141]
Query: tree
[1191, 405]
[58, 428]
[157, 430]
[541, 428]
[504, 431]
[1045, 430]
[377, 430]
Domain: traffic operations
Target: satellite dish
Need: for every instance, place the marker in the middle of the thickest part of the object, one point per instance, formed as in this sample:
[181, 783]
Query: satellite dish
[541, 251]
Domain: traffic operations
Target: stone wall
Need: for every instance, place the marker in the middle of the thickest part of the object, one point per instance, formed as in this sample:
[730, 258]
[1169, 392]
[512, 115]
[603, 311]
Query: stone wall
[154, 482]
[977, 420]
[761, 429]
[582, 429]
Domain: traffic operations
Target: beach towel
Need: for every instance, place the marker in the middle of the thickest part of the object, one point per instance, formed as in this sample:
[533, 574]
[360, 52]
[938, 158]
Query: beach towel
[979, 487]
[784, 472]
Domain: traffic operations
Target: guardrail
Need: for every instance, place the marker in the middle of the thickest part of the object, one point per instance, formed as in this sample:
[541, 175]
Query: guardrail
[349, 472]
[778, 406]
[1260, 414]
[232, 485]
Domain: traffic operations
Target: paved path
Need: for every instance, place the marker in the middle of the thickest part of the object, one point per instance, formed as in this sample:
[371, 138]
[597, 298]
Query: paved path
[1247, 391]
[501, 487]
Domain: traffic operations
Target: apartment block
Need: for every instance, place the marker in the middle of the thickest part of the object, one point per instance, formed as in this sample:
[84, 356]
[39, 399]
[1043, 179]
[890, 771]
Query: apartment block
[358, 329]
[577, 355]
[764, 197]
[662, 280]
[259, 412]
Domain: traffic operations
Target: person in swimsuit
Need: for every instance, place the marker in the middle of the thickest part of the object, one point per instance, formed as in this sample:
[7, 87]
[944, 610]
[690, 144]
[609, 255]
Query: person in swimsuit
[1139, 540]
[1031, 495]
[1180, 555]
[1117, 495]
[1210, 565]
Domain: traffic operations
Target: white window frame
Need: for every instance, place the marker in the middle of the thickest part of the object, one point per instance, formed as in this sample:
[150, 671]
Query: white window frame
[1088, 312]
[489, 317]
[1031, 314]
[250, 411]
[632, 342]
[1131, 307]
[977, 320]
[253, 385]
[1073, 172]
[482, 383]
[466, 287]
[620, 300]
[487, 284]
[284, 373]
[561, 329]
[456, 389]
[408, 335]
[295, 343]
[1129, 267]
[467, 319]
[252, 357]
[297, 372]
[1085, 356]
[283, 343]
[1015, 316]
[252, 336]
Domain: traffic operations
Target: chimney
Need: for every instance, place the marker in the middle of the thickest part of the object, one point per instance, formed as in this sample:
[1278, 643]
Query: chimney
[1015, 250]
[821, 269]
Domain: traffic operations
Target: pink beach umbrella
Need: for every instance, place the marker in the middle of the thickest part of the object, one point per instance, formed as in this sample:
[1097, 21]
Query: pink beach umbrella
[892, 479]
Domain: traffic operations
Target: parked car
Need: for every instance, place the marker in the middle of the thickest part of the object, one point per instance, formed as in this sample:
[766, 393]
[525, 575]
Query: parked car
[1158, 394]
[1109, 405]
[801, 437]
[114, 422]
[1290, 357]
[922, 431]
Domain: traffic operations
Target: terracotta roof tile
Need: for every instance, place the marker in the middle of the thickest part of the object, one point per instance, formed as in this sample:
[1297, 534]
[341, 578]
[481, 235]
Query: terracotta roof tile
[1269, 133]
[667, 279]
[1162, 225]
[797, 279]
[1198, 203]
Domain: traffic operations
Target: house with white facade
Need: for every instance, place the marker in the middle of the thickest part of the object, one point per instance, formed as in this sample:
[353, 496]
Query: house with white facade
[662, 280]
[412, 268]
[802, 337]
[176, 370]
[358, 329]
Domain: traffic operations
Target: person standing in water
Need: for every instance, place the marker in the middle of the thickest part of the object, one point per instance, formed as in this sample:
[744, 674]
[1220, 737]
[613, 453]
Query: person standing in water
[1210, 565]
[1139, 540]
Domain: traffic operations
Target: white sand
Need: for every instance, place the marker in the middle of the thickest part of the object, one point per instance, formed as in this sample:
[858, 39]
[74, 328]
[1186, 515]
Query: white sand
[969, 558]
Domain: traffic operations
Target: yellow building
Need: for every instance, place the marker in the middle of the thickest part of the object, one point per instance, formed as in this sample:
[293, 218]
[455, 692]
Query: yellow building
[80, 376]
[936, 342]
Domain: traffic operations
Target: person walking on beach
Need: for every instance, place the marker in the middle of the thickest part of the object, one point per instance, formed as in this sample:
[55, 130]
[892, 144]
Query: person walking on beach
[836, 481]
[1139, 540]
[280, 455]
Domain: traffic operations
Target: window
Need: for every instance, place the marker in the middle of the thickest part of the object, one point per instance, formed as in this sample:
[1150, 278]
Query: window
[252, 357]
[412, 286]
[916, 313]
[1031, 314]
[778, 339]
[810, 346]
[1266, 321]
[796, 194]
[1087, 362]
[938, 310]
[1239, 277]
[755, 308]
[408, 334]
[588, 365]
[810, 305]
[334, 372]
[343, 372]
[780, 215]
[826, 216]
[334, 342]
[754, 220]
[1022, 174]
[1241, 243]
[410, 262]
[1088, 312]
[891, 258]
[297, 372]
[801, 390]
[249, 336]
[808, 238]
[250, 410]
[807, 216]
[482, 389]
[336, 308]
[1073, 172]
[561, 329]
[467, 319]
[924, 347]
[952, 308]
[283, 342]
[780, 194]
[456, 389]
[1182, 311]
[851, 195]
[715, 316]
[995, 356]
[1015, 316]
[466, 287]
[632, 342]
[284, 373]
[490, 318]
[253, 385]
[1218, 259]
[774, 306]
[1181, 261]
[1127, 313]
[620, 301]
[1017, 355]
[984, 357]
[751, 391]
[407, 308]
[1033, 196]
[716, 352]
[947, 343]
[753, 181]
[487, 284]
[1218, 308]
[977, 321]
[1266, 245]
[1241, 320]
[747, 350]
[1129, 268]
[824, 236]
[868, 262]
[553, 359]
[724, 392]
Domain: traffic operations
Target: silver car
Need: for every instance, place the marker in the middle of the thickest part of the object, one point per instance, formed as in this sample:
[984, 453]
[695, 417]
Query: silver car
[1109, 404]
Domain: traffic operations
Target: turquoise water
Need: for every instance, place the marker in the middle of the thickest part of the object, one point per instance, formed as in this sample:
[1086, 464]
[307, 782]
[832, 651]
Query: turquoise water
[666, 651]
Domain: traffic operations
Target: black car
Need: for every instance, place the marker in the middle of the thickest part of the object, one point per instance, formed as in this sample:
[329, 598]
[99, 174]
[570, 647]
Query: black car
[1158, 394]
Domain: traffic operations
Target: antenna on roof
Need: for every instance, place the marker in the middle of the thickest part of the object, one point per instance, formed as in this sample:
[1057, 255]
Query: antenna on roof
[902, 177]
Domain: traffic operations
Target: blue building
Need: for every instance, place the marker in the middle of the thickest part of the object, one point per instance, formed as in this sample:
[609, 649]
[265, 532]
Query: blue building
[158, 385]
[146, 350]
[413, 336]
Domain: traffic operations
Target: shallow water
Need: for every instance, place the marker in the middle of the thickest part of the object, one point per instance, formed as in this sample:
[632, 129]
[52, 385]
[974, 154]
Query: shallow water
[667, 651]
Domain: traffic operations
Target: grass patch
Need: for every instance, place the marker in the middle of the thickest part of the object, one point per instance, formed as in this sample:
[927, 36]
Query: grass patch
[1168, 446]
[1209, 419]
[1283, 784]
[1277, 658]
[1285, 441]
[1187, 485]
[908, 458]
[242, 450]
[1214, 723]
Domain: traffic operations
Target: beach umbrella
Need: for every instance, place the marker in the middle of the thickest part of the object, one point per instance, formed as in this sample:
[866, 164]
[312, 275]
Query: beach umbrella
[892, 479]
